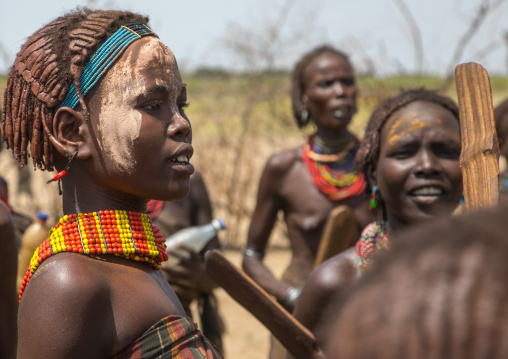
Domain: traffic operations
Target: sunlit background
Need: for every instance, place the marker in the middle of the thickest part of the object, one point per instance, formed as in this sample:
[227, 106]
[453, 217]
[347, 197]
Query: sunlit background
[383, 36]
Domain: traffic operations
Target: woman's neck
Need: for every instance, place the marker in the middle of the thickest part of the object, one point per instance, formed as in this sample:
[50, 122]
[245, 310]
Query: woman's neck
[332, 144]
[394, 225]
[85, 198]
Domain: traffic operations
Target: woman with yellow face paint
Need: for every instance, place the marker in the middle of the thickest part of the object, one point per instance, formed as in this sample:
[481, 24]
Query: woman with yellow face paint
[96, 95]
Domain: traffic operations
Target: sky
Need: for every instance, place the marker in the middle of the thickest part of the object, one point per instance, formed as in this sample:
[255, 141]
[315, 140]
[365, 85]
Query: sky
[249, 35]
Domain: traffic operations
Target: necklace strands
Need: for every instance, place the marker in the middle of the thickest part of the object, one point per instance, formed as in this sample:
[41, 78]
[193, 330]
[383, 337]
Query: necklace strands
[336, 157]
[129, 235]
[335, 184]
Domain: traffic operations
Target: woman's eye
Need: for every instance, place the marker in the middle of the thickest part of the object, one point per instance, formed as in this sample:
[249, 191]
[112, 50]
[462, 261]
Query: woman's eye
[402, 153]
[152, 105]
[445, 152]
[326, 83]
[183, 106]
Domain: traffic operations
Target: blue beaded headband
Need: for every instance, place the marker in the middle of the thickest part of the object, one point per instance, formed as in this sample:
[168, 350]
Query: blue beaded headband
[105, 56]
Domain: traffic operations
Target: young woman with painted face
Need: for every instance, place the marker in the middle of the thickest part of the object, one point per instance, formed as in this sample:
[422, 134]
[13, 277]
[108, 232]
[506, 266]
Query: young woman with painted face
[410, 155]
[99, 97]
[307, 182]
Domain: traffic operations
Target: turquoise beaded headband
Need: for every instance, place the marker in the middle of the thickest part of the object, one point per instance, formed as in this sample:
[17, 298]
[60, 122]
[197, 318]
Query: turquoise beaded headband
[103, 58]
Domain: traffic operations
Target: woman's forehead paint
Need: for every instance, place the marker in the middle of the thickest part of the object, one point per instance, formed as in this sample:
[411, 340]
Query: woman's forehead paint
[406, 124]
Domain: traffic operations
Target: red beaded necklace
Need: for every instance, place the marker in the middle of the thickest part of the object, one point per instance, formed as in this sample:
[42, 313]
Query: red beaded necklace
[130, 235]
[336, 184]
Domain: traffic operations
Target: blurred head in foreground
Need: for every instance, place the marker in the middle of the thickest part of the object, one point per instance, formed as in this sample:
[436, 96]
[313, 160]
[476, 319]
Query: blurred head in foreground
[440, 293]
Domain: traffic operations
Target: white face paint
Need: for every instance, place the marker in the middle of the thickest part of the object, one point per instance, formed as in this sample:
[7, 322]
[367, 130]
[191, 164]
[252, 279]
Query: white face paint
[119, 121]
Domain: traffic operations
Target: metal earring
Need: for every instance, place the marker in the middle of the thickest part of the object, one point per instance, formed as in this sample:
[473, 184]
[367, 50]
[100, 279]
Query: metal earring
[304, 117]
[374, 197]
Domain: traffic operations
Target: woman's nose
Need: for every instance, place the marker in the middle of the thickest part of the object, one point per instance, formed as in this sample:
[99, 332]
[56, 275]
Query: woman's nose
[179, 127]
[339, 89]
[427, 164]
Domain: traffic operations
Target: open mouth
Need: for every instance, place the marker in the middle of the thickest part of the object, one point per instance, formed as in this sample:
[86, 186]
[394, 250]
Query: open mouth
[343, 110]
[181, 164]
[427, 195]
[430, 191]
[180, 159]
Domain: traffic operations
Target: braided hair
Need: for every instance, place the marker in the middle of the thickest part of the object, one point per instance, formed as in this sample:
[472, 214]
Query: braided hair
[439, 293]
[297, 78]
[368, 152]
[48, 63]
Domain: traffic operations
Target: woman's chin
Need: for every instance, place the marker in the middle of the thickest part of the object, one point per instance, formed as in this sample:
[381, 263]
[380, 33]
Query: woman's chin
[176, 192]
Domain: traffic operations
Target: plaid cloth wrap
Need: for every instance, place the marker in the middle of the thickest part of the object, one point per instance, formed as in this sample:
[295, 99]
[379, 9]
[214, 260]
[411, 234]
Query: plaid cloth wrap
[172, 337]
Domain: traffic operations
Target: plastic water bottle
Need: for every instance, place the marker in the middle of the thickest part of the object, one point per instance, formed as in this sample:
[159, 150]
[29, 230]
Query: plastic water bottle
[195, 237]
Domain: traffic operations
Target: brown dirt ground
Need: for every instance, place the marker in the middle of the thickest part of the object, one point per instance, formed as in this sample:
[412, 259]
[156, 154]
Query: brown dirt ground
[245, 336]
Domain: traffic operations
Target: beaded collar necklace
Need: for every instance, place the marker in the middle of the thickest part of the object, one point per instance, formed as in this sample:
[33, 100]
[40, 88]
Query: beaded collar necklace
[334, 175]
[130, 235]
[372, 241]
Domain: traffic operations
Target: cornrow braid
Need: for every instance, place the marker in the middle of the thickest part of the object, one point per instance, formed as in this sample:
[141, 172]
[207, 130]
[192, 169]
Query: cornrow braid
[297, 78]
[368, 152]
[439, 293]
[48, 63]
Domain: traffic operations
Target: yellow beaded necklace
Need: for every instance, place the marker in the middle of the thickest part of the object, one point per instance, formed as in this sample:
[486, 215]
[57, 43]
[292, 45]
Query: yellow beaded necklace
[130, 235]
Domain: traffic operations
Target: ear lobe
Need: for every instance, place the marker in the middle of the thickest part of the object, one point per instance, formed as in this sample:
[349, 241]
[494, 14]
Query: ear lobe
[70, 130]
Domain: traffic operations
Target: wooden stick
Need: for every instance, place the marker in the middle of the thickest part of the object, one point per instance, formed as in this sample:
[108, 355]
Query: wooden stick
[337, 235]
[297, 339]
[479, 157]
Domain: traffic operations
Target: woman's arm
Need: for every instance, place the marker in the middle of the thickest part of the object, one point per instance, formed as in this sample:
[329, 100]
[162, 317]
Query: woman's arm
[263, 219]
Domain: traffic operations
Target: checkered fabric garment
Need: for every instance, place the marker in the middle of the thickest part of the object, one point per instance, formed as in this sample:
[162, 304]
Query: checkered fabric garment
[172, 337]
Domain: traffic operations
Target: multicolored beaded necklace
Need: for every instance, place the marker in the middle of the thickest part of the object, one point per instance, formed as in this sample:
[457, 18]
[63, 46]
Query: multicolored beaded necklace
[130, 235]
[333, 174]
[371, 242]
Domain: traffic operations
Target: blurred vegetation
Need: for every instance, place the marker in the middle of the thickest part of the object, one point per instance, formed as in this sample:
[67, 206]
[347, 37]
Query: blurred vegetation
[218, 98]
[238, 121]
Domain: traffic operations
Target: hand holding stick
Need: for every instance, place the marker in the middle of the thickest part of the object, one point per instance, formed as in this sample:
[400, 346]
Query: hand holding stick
[297, 339]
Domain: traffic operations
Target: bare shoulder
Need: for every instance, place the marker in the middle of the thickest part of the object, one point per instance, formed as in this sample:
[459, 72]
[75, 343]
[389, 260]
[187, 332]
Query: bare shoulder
[282, 162]
[335, 273]
[285, 158]
[67, 294]
[322, 287]
[66, 272]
